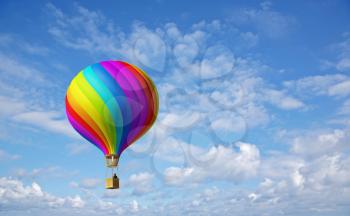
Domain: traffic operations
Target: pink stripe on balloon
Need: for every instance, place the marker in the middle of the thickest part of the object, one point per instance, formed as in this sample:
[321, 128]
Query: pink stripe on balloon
[123, 83]
[134, 91]
[138, 125]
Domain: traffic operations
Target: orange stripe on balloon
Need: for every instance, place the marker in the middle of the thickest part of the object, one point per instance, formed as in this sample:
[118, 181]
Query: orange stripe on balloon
[84, 124]
[87, 118]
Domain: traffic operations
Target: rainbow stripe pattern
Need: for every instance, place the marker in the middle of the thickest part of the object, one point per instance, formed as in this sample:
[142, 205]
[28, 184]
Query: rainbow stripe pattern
[112, 104]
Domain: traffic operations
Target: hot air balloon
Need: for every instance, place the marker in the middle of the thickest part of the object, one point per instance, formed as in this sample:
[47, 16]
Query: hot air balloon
[112, 104]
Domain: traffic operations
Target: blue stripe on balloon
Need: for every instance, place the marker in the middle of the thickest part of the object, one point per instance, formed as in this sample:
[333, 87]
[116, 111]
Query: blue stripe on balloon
[119, 95]
[130, 122]
[108, 98]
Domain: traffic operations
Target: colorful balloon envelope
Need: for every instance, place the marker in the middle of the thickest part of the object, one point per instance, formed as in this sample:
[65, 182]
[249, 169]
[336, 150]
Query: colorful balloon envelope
[112, 104]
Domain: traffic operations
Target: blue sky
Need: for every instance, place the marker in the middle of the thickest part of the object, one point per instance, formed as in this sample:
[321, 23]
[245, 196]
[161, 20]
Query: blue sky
[254, 107]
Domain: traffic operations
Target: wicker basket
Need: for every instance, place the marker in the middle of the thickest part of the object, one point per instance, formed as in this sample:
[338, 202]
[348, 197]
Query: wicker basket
[112, 183]
[112, 160]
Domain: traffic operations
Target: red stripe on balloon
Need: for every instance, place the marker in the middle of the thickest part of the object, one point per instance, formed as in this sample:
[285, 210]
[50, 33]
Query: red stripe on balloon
[83, 124]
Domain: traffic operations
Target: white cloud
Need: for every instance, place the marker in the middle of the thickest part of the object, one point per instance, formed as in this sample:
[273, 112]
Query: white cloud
[305, 182]
[225, 164]
[230, 95]
[47, 120]
[97, 34]
[21, 173]
[34, 49]
[112, 193]
[218, 61]
[327, 171]
[340, 89]
[105, 205]
[341, 50]
[134, 206]
[141, 183]
[330, 85]
[186, 49]
[250, 38]
[228, 122]
[170, 149]
[21, 101]
[11, 41]
[45, 172]
[205, 197]
[16, 109]
[267, 21]
[179, 176]
[184, 120]
[65, 28]
[10, 106]
[75, 202]
[343, 64]
[319, 143]
[12, 67]
[90, 183]
[344, 109]
[280, 166]
[14, 195]
[281, 100]
[149, 48]
[254, 114]
[87, 184]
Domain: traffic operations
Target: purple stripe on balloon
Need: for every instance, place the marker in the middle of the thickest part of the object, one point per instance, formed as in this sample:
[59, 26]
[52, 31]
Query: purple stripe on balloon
[140, 90]
[85, 133]
[135, 92]
[130, 96]
[124, 84]
[129, 85]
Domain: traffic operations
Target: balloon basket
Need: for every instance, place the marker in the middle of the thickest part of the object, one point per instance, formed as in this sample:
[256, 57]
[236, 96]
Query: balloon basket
[112, 183]
[111, 163]
[112, 160]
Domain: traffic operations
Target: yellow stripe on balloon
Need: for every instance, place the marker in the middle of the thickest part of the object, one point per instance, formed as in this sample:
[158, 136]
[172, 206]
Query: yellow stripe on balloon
[75, 104]
[101, 112]
[82, 104]
[94, 106]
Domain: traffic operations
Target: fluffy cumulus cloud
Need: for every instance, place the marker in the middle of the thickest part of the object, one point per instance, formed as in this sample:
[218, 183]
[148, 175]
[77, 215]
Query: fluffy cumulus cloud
[219, 163]
[17, 196]
[141, 183]
[286, 178]
[304, 180]
[320, 143]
